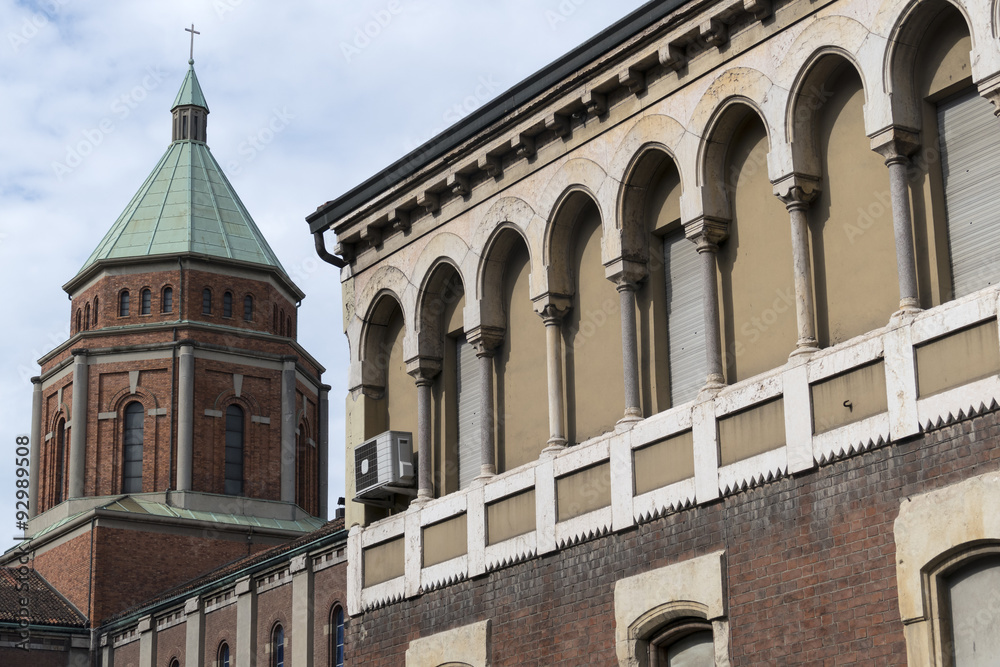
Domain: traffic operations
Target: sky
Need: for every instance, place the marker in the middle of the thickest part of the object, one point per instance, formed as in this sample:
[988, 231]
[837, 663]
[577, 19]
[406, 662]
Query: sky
[307, 98]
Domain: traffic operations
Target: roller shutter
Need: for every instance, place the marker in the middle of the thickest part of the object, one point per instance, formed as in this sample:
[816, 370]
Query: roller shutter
[685, 318]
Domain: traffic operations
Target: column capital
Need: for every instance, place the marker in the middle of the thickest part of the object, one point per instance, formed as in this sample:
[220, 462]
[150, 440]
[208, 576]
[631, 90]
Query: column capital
[423, 369]
[552, 314]
[485, 339]
[707, 232]
[991, 91]
[797, 191]
[552, 307]
[37, 381]
[627, 270]
[79, 352]
[895, 143]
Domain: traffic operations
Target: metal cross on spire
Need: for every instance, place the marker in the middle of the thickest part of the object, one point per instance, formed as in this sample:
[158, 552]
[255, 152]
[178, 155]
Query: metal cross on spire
[193, 33]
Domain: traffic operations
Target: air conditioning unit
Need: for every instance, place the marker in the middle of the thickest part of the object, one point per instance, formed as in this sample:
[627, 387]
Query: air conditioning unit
[383, 467]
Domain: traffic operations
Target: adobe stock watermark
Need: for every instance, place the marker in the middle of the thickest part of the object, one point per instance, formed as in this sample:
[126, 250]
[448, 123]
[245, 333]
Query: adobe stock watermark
[562, 13]
[370, 30]
[121, 108]
[257, 141]
[32, 25]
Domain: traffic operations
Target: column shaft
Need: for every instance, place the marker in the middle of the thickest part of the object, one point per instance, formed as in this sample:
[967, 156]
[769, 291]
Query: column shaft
[185, 418]
[34, 456]
[288, 431]
[552, 317]
[903, 229]
[713, 335]
[425, 486]
[487, 467]
[802, 267]
[78, 432]
[630, 352]
[324, 452]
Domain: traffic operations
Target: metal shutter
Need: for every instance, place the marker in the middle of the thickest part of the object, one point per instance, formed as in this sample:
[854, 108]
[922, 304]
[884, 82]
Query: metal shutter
[469, 392]
[970, 164]
[685, 318]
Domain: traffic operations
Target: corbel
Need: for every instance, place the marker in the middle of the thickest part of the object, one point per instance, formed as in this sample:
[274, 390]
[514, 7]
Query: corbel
[596, 103]
[760, 9]
[372, 235]
[399, 220]
[458, 184]
[491, 164]
[672, 57]
[713, 32]
[633, 79]
[523, 146]
[429, 201]
[345, 251]
[558, 123]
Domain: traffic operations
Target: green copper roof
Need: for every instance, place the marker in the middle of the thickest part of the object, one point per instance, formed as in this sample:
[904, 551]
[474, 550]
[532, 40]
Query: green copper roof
[186, 205]
[190, 93]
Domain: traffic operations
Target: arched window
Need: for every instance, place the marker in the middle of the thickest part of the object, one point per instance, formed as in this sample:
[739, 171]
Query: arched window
[175, 663]
[123, 304]
[248, 308]
[281, 322]
[132, 454]
[97, 309]
[969, 625]
[306, 475]
[227, 304]
[288, 326]
[78, 323]
[274, 318]
[278, 646]
[234, 450]
[86, 317]
[60, 468]
[223, 660]
[147, 302]
[206, 301]
[337, 637]
[687, 642]
[167, 300]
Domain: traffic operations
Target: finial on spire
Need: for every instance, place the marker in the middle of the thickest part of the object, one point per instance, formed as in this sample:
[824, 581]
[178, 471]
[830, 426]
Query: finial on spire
[193, 33]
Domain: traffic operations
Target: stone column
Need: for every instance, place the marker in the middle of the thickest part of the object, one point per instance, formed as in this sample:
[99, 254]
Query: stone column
[78, 435]
[896, 145]
[147, 640]
[707, 235]
[630, 352]
[303, 603]
[423, 371]
[485, 346]
[552, 315]
[194, 637]
[797, 199]
[185, 418]
[34, 455]
[288, 429]
[324, 451]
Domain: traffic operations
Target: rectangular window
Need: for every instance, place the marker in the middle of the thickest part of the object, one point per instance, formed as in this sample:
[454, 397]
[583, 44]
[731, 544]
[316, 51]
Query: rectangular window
[469, 393]
[685, 318]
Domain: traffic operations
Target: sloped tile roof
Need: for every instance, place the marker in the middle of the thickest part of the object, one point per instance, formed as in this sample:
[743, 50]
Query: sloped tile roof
[47, 607]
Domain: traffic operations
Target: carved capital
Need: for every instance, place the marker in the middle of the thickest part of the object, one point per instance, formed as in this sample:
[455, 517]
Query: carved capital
[895, 143]
[797, 191]
[626, 270]
[423, 369]
[552, 314]
[485, 340]
[707, 232]
[990, 89]
[556, 304]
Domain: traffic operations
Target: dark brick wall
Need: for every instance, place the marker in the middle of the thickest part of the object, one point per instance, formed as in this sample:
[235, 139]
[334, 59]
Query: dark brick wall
[811, 574]
[170, 644]
[273, 607]
[330, 589]
[220, 626]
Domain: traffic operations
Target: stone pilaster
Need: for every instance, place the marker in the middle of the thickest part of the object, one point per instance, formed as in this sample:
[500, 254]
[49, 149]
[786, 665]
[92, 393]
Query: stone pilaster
[288, 430]
[78, 431]
[185, 418]
[34, 458]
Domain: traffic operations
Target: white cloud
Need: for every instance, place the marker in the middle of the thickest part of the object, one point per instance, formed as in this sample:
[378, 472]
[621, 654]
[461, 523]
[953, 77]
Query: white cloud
[99, 78]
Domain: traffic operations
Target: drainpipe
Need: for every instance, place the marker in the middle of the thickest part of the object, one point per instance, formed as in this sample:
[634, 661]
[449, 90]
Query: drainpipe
[325, 254]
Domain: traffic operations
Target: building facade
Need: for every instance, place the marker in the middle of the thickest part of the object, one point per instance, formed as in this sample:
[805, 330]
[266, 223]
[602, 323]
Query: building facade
[181, 428]
[628, 311]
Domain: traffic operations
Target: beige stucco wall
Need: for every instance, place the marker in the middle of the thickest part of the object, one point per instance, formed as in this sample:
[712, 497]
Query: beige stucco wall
[583, 492]
[383, 562]
[522, 411]
[755, 267]
[592, 336]
[510, 517]
[957, 359]
[851, 234]
[445, 540]
[849, 397]
[663, 463]
[750, 432]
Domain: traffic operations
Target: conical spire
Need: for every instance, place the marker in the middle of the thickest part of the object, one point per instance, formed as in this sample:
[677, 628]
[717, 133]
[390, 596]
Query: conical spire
[190, 93]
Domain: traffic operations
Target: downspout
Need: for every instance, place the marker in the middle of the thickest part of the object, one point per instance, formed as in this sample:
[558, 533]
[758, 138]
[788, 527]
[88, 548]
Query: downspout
[325, 254]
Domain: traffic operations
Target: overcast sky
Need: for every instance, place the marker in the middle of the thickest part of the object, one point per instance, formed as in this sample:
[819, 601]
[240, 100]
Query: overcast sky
[86, 89]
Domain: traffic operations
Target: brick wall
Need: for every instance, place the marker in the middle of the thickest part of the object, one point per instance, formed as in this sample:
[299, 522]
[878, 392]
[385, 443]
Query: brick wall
[329, 586]
[170, 644]
[810, 567]
[220, 626]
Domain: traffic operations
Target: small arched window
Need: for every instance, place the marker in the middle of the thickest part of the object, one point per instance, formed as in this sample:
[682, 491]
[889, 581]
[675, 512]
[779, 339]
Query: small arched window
[147, 302]
[86, 317]
[274, 318]
[281, 322]
[278, 646]
[78, 322]
[123, 304]
[97, 309]
[132, 454]
[234, 450]
[969, 626]
[687, 642]
[206, 301]
[175, 663]
[224, 655]
[337, 637]
[227, 304]
[288, 326]
[60, 462]
[248, 308]
[167, 300]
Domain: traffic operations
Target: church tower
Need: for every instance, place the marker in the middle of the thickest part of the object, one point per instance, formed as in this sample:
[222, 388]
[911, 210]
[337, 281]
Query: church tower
[181, 426]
